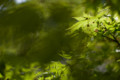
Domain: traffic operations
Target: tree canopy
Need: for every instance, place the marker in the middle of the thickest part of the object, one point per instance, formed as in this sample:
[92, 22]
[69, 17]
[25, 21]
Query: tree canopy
[60, 40]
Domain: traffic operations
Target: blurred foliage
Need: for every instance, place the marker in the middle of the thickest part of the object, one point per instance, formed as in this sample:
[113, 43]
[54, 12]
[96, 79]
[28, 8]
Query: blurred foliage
[60, 40]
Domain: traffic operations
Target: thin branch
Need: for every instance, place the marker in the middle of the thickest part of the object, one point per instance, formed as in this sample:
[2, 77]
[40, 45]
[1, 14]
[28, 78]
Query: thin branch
[113, 40]
[116, 40]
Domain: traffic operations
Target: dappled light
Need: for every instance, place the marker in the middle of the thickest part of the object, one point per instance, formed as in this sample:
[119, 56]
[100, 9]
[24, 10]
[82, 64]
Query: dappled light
[20, 1]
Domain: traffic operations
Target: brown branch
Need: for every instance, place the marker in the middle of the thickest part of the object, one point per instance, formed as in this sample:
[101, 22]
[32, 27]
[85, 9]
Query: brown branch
[113, 40]
[116, 40]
